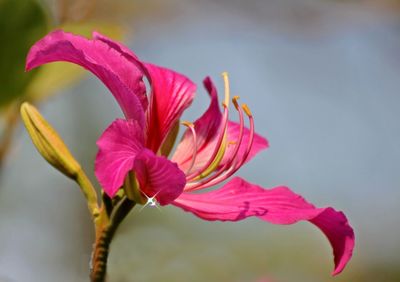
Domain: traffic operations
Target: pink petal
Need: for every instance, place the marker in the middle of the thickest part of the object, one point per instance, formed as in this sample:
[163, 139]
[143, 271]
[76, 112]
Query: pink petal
[130, 56]
[336, 227]
[122, 77]
[171, 94]
[207, 129]
[239, 199]
[118, 147]
[159, 177]
[259, 142]
[125, 51]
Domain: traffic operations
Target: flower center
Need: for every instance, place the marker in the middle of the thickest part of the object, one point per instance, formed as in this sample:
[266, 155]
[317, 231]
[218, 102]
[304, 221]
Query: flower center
[213, 172]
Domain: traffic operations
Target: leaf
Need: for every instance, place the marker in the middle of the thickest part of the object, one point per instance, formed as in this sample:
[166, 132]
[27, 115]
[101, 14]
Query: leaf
[22, 23]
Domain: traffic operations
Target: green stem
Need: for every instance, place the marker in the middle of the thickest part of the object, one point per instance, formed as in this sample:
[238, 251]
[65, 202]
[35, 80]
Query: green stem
[88, 191]
[104, 236]
[100, 254]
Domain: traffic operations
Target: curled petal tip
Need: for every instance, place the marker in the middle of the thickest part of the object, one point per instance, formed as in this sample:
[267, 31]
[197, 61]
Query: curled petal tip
[239, 199]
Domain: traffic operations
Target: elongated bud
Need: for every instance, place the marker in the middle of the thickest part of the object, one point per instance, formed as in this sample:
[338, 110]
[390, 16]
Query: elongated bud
[48, 142]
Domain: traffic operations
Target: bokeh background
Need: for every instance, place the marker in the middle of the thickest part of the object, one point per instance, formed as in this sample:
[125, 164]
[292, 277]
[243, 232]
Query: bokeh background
[322, 80]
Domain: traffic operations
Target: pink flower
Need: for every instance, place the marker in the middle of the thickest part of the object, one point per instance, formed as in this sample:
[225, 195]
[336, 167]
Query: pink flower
[212, 149]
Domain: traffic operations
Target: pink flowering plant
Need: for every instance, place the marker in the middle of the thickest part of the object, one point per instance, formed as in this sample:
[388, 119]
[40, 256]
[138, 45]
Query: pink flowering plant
[135, 164]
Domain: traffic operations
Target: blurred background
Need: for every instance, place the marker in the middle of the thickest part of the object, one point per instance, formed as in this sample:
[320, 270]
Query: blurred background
[322, 80]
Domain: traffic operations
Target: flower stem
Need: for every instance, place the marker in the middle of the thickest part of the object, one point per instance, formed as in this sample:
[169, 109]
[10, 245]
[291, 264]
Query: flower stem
[100, 254]
[104, 236]
[88, 191]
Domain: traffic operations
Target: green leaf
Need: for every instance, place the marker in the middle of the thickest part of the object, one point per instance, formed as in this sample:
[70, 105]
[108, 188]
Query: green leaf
[22, 23]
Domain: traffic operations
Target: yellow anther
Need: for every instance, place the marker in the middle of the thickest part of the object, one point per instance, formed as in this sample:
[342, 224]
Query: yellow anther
[246, 110]
[187, 123]
[227, 91]
[235, 101]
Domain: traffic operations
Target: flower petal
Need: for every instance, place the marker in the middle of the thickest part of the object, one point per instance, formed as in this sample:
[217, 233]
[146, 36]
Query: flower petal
[125, 51]
[122, 77]
[159, 177]
[207, 128]
[259, 143]
[130, 56]
[118, 147]
[171, 94]
[239, 199]
[336, 227]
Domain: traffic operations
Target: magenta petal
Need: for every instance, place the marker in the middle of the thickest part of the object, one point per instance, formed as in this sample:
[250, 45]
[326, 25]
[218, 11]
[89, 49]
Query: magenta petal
[239, 199]
[171, 94]
[336, 227]
[259, 142]
[159, 177]
[130, 56]
[207, 129]
[118, 147]
[125, 51]
[122, 77]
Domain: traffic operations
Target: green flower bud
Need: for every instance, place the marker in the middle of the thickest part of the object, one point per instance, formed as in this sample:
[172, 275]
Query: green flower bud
[48, 142]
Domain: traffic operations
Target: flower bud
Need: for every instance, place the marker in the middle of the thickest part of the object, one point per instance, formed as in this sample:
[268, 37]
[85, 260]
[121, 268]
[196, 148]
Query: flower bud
[48, 142]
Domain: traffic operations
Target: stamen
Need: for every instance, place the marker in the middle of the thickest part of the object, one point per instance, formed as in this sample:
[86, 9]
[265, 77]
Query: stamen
[216, 161]
[194, 135]
[251, 138]
[219, 149]
[216, 155]
[232, 169]
[247, 110]
[228, 164]
[235, 102]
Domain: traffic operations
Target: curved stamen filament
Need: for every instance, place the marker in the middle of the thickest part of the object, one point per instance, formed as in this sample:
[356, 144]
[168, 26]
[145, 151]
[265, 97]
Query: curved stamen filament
[238, 164]
[194, 135]
[251, 138]
[227, 165]
[219, 149]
